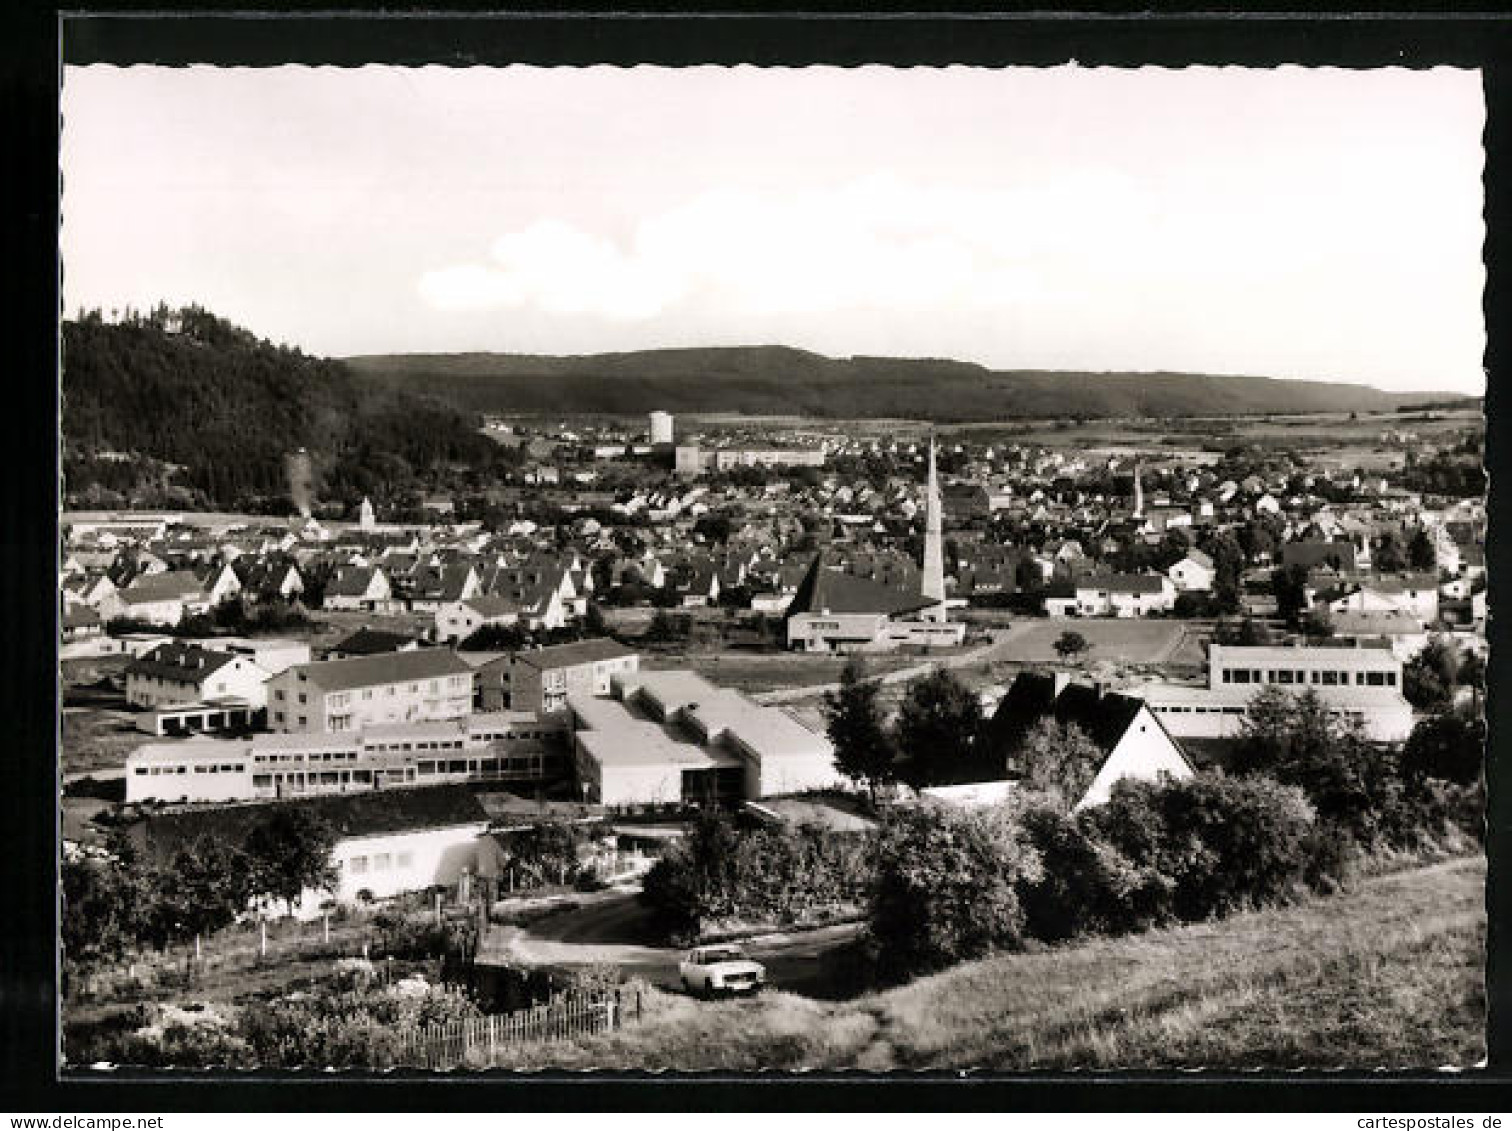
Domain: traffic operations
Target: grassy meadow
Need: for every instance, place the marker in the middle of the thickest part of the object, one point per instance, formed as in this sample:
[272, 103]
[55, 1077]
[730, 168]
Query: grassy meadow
[1385, 975]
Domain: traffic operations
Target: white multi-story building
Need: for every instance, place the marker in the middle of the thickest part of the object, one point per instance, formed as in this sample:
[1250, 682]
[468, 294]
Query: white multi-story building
[1361, 683]
[505, 746]
[661, 427]
[178, 673]
[394, 687]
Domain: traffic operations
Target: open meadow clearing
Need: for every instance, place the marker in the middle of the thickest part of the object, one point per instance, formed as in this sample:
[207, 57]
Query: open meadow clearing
[1385, 975]
[1131, 641]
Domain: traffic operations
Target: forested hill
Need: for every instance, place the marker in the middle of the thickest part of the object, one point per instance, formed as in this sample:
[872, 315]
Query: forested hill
[183, 408]
[774, 380]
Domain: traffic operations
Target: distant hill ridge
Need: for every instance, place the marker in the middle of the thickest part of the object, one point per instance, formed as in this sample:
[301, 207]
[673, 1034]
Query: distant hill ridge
[779, 380]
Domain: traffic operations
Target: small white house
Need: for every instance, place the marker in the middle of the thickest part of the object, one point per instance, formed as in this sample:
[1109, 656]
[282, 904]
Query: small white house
[1193, 573]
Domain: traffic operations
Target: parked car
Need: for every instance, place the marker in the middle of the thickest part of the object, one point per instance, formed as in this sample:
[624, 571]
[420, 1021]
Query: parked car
[711, 970]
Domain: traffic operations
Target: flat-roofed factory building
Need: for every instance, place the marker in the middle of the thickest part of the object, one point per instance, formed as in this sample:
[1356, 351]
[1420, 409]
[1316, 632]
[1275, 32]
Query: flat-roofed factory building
[671, 737]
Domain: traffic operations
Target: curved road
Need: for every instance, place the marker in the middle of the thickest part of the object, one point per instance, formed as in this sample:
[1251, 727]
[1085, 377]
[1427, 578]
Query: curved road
[615, 929]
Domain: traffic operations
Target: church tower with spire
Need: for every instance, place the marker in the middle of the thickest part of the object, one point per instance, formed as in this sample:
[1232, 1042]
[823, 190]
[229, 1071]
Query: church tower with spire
[1138, 493]
[932, 586]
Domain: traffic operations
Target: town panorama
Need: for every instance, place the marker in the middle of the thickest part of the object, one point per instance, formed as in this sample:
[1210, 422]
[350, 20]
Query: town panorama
[399, 733]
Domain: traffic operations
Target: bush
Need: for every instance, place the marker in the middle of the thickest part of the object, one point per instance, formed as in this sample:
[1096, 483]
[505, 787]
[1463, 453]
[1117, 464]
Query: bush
[720, 874]
[1086, 886]
[1221, 844]
[416, 938]
[182, 1037]
[947, 887]
[352, 1029]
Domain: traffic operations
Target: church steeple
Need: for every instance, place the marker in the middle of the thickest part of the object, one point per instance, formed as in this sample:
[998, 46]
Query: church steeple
[1138, 493]
[932, 585]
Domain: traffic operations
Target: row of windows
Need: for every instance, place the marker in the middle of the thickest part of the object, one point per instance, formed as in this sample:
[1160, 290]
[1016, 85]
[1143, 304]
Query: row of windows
[222, 768]
[523, 764]
[1328, 678]
[379, 862]
[324, 756]
[296, 781]
[1200, 710]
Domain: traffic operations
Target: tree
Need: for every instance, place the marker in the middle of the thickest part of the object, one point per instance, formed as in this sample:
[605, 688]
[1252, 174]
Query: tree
[1449, 746]
[714, 527]
[864, 750]
[1388, 556]
[1472, 673]
[548, 850]
[1290, 587]
[1294, 739]
[204, 887]
[1318, 623]
[662, 629]
[103, 902]
[1421, 552]
[947, 887]
[937, 727]
[1070, 645]
[1059, 761]
[1027, 577]
[288, 852]
[1428, 679]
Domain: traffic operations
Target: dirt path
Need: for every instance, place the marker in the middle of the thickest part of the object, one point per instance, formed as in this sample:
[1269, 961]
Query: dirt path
[617, 931]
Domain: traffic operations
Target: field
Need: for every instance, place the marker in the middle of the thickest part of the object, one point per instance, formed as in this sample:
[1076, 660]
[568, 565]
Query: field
[97, 727]
[757, 673]
[1359, 435]
[1387, 975]
[1134, 641]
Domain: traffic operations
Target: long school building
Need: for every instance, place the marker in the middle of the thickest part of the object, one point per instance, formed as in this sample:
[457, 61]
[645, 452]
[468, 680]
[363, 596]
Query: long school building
[505, 747]
[1353, 682]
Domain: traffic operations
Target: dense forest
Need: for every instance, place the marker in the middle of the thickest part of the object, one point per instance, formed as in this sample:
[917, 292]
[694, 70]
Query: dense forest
[774, 380]
[180, 407]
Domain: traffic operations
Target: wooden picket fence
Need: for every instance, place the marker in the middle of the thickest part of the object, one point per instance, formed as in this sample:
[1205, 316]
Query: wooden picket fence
[478, 1042]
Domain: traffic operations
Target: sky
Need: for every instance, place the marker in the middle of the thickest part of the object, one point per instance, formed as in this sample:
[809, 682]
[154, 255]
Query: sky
[1290, 223]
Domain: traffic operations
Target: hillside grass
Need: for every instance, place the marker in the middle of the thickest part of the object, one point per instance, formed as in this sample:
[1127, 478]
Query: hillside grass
[1389, 974]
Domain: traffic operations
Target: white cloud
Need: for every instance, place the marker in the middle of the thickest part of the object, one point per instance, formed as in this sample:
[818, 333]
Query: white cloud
[872, 243]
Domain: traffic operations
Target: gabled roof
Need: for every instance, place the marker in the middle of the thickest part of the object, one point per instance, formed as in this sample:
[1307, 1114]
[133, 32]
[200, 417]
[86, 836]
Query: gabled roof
[352, 582]
[388, 667]
[1104, 716]
[1340, 553]
[577, 652]
[169, 585]
[372, 642]
[1125, 582]
[80, 616]
[829, 591]
[181, 663]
